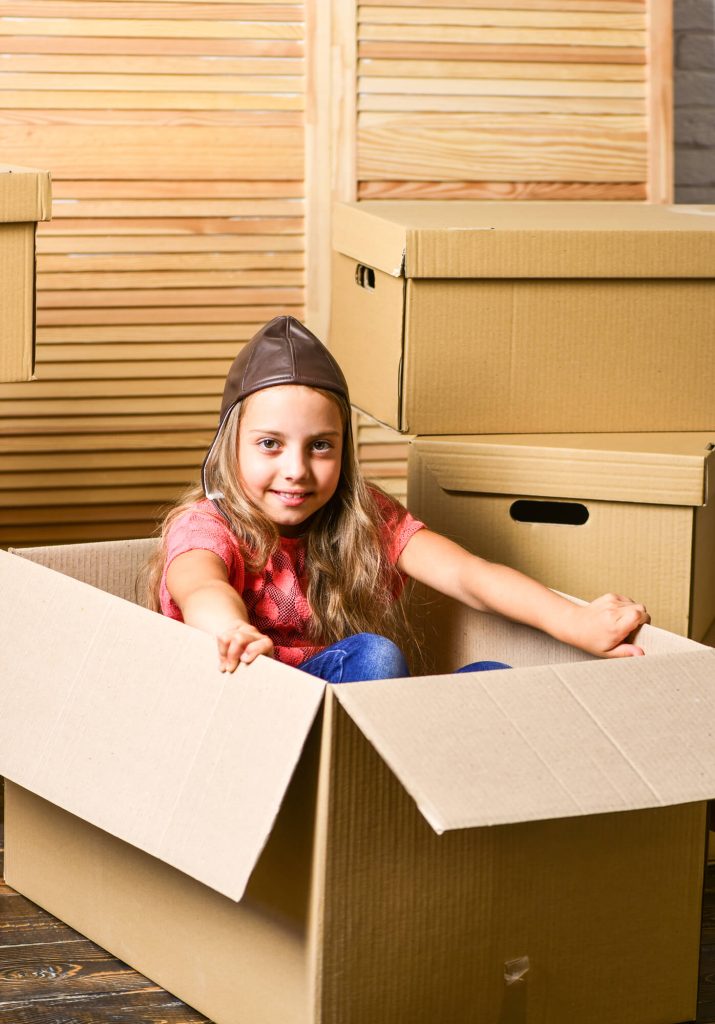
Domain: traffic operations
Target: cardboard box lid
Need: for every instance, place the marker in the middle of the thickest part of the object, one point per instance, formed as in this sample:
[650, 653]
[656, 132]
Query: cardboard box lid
[121, 717]
[542, 743]
[25, 194]
[429, 239]
[669, 469]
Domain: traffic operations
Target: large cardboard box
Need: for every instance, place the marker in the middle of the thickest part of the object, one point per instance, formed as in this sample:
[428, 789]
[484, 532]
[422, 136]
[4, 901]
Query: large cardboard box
[583, 513]
[25, 198]
[489, 317]
[508, 846]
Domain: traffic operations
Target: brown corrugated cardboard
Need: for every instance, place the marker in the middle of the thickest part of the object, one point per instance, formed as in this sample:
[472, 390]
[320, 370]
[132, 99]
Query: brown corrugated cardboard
[25, 198]
[149, 792]
[488, 317]
[583, 513]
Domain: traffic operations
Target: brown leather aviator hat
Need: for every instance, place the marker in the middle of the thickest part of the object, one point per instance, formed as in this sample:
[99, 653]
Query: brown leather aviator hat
[284, 351]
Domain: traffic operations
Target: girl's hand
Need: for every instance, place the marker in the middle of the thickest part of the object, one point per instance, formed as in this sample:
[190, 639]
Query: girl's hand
[241, 643]
[603, 626]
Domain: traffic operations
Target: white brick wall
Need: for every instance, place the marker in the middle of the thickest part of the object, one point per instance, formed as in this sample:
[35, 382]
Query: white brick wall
[694, 70]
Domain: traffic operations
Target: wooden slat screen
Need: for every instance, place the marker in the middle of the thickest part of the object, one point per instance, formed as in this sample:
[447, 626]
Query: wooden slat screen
[525, 99]
[174, 132]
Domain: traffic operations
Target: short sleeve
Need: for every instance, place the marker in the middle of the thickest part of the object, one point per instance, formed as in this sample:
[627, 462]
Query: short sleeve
[200, 528]
[397, 524]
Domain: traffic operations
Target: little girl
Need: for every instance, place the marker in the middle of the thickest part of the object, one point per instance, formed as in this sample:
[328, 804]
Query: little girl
[286, 551]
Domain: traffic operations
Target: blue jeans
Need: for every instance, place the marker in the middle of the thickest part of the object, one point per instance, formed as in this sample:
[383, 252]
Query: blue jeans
[369, 656]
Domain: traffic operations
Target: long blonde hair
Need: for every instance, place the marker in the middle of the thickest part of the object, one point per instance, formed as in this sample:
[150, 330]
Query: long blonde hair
[351, 585]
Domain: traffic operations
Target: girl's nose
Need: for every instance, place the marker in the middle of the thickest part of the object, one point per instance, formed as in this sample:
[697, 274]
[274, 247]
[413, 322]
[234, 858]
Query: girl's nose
[295, 466]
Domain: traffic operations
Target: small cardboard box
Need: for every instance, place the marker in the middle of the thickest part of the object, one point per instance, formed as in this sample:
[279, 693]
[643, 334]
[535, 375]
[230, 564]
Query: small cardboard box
[489, 317]
[25, 198]
[582, 513]
[497, 847]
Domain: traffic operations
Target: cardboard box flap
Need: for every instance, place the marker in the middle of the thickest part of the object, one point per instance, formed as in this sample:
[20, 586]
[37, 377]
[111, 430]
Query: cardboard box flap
[535, 239]
[668, 469]
[25, 194]
[111, 565]
[141, 735]
[501, 747]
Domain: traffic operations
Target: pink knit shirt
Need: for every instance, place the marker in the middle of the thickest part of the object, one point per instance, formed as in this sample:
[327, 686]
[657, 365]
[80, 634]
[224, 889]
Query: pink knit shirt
[275, 598]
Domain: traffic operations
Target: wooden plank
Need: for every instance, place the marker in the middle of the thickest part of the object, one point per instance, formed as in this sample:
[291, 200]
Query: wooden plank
[502, 190]
[194, 333]
[405, 49]
[156, 190]
[182, 207]
[130, 389]
[191, 153]
[158, 64]
[117, 263]
[109, 404]
[146, 426]
[495, 86]
[84, 301]
[169, 314]
[490, 16]
[159, 47]
[438, 69]
[51, 99]
[168, 9]
[250, 120]
[152, 442]
[510, 36]
[511, 104]
[527, 5]
[61, 483]
[213, 244]
[542, 147]
[57, 354]
[127, 28]
[178, 85]
[103, 287]
[24, 464]
[105, 372]
[183, 228]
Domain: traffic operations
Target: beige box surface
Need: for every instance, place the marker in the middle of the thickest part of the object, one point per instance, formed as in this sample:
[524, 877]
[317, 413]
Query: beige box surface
[495, 847]
[582, 513]
[25, 198]
[488, 317]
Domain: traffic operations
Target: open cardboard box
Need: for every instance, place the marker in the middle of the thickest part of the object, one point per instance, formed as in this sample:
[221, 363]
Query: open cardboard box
[25, 198]
[502, 317]
[503, 847]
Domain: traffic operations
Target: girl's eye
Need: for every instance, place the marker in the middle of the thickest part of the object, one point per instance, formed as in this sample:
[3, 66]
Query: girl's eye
[268, 444]
[322, 446]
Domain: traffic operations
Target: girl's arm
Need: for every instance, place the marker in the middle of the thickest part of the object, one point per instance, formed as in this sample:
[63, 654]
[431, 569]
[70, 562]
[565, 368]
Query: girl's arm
[198, 582]
[601, 627]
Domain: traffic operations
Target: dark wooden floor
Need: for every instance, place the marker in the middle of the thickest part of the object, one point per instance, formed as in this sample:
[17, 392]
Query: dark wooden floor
[49, 974]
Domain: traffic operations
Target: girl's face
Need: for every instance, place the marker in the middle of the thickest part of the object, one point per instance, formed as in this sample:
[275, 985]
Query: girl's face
[290, 446]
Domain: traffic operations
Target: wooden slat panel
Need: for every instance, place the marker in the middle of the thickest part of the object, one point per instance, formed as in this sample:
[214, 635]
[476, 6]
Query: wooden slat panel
[179, 227]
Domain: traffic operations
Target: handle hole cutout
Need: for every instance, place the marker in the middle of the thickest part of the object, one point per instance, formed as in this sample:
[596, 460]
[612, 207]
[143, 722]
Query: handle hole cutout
[365, 277]
[560, 513]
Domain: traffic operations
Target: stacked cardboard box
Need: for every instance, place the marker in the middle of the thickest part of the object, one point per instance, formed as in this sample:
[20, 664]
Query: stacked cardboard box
[555, 361]
[582, 336]
[25, 198]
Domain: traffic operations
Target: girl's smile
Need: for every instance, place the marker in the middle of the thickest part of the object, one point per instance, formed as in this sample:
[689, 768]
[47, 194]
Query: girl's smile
[290, 445]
